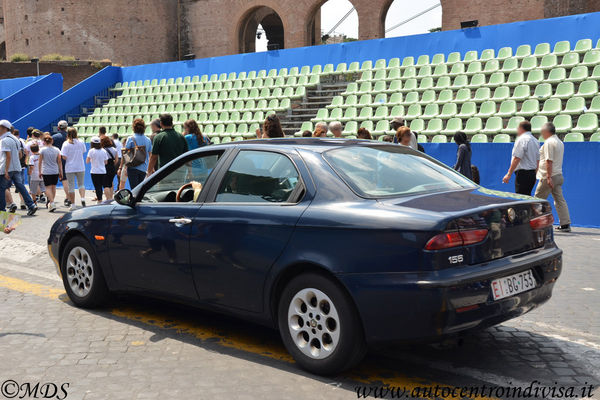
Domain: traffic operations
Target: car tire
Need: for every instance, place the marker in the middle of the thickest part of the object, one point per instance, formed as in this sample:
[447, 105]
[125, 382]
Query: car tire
[82, 275]
[319, 325]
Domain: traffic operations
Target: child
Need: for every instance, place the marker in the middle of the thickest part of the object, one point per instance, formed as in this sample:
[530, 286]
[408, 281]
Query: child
[36, 184]
[98, 158]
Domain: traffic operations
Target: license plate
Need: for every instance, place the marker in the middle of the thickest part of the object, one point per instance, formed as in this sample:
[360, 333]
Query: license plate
[513, 284]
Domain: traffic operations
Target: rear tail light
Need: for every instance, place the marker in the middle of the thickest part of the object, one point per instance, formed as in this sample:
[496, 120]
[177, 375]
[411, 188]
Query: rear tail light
[541, 222]
[456, 239]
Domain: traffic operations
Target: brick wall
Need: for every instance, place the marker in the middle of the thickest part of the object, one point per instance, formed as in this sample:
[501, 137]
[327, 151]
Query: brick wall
[72, 75]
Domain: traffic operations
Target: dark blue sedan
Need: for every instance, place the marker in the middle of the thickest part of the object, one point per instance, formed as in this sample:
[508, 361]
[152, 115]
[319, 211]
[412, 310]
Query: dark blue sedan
[338, 243]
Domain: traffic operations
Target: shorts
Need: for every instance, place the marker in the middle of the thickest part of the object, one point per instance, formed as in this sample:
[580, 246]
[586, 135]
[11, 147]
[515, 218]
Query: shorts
[64, 162]
[50, 180]
[107, 181]
[36, 185]
[71, 176]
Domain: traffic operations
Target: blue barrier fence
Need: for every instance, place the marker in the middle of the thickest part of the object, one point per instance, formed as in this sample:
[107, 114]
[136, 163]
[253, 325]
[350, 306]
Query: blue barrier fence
[70, 100]
[492, 160]
[10, 86]
[31, 96]
[571, 28]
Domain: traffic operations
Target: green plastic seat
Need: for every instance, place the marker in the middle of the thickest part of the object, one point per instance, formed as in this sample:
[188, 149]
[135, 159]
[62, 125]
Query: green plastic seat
[504, 53]
[434, 127]
[428, 97]
[449, 110]
[496, 79]
[474, 125]
[409, 72]
[511, 126]
[437, 59]
[410, 85]
[397, 111]
[445, 96]
[507, 109]
[457, 69]
[365, 100]
[477, 80]
[587, 123]
[487, 109]
[492, 126]
[366, 113]
[439, 139]
[380, 86]
[565, 90]
[591, 58]
[408, 62]
[431, 111]
[509, 65]
[474, 68]
[515, 78]
[595, 73]
[421, 139]
[529, 108]
[523, 51]
[381, 112]
[453, 58]
[394, 63]
[417, 125]
[440, 70]
[501, 138]
[491, 66]
[535, 77]
[452, 126]
[570, 60]
[442, 83]
[557, 75]
[459, 82]
[462, 96]
[521, 93]
[335, 115]
[563, 123]
[583, 45]
[552, 106]
[594, 107]
[537, 122]
[426, 84]
[595, 137]
[322, 115]
[396, 99]
[528, 63]
[350, 114]
[543, 91]
[411, 98]
[424, 71]
[562, 48]
[414, 111]
[470, 56]
[578, 74]
[479, 138]
[549, 61]
[467, 110]
[381, 127]
[588, 89]
[542, 49]
[379, 100]
[576, 106]
[574, 137]
[423, 60]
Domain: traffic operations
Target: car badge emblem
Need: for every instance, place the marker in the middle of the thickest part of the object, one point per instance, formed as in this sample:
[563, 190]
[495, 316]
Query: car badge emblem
[511, 215]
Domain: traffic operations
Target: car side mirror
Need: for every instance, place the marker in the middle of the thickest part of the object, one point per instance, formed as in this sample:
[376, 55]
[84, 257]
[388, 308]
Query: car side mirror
[124, 197]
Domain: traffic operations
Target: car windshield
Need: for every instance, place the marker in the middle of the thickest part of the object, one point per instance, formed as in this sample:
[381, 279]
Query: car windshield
[384, 171]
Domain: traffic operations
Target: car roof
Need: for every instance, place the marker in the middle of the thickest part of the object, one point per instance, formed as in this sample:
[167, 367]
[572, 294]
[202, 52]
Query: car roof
[311, 144]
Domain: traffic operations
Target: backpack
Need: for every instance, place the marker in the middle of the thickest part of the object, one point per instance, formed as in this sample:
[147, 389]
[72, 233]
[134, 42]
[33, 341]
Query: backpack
[475, 174]
[135, 156]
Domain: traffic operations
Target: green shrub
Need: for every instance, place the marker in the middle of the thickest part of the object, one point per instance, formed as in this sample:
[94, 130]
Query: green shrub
[57, 57]
[17, 57]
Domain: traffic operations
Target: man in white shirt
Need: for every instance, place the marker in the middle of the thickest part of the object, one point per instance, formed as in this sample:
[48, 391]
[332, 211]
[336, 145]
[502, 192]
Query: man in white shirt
[525, 157]
[550, 175]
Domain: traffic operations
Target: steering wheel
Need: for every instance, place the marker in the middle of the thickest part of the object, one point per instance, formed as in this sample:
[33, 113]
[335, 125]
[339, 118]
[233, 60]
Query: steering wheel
[197, 186]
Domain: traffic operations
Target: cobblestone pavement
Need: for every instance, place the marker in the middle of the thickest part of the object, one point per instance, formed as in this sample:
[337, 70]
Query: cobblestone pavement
[143, 349]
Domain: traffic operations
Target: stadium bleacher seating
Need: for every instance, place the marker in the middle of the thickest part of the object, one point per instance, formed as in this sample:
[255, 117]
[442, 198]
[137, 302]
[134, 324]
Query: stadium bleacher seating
[484, 94]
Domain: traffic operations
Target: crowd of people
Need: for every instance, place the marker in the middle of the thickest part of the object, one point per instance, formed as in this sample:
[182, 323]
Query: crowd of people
[45, 159]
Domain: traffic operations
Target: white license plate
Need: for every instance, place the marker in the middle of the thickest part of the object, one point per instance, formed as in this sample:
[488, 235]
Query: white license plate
[513, 284]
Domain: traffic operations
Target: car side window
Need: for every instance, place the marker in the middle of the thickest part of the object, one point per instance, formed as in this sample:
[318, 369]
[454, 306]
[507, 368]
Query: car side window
[259, 177]
[184, 183]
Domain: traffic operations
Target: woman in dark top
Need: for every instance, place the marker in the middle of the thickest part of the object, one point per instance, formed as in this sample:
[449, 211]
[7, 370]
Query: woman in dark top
[463, 155]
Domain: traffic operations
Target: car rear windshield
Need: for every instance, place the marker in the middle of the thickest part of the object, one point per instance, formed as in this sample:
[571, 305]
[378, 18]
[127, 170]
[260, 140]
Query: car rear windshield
[392, 170]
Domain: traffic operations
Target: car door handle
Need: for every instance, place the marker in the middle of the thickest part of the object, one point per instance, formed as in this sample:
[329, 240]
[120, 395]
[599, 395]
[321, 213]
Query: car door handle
[180, 221]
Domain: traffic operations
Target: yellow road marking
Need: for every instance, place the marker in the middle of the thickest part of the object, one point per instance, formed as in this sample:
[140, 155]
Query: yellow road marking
[366, 374]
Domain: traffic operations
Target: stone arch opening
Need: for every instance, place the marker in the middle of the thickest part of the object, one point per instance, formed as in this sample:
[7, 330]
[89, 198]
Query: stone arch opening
[271, 26]
[395, 11]
[325, 15]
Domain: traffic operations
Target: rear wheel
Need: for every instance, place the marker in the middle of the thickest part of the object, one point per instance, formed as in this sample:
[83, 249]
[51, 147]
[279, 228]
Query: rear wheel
[82, 275]
[319, 325]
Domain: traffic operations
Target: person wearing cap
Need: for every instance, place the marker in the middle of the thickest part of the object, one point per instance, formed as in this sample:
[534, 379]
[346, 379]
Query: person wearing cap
[10, 167]
[399, 122]
[59, 138]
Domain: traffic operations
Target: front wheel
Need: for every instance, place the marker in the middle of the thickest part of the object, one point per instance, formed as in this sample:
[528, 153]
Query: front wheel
[319, 325]
[82, 275]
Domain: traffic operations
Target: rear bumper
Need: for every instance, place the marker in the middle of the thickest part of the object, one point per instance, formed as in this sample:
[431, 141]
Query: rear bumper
[422, 306]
